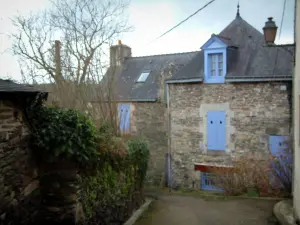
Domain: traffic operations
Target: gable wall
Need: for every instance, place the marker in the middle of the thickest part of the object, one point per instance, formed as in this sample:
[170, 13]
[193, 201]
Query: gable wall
[253, 112]
[148, 119]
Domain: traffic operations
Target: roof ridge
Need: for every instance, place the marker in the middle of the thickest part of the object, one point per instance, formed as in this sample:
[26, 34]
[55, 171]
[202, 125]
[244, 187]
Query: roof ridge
[167, 54]
[220, 36]
[240, 20]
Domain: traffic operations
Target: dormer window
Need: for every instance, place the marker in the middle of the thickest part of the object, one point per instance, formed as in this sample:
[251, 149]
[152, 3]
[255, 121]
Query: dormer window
[215, 59]
[143, 77]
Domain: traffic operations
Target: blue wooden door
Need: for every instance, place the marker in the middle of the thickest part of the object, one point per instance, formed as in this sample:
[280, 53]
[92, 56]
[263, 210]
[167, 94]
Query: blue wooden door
[216, 130]
[280, 171]
[124, 117]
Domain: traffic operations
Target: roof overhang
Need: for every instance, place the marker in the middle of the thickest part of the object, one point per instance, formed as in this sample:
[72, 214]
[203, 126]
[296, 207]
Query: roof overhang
[259, 78]
[178, 81]
[128, 100]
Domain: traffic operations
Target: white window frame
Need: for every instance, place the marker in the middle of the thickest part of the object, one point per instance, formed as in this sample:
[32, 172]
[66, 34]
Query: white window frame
[218, 78]
[218, 57]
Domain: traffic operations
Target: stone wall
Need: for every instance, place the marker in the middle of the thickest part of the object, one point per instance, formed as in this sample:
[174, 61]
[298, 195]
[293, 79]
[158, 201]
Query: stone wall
[17, 170]
[253, 112]
[149, 120]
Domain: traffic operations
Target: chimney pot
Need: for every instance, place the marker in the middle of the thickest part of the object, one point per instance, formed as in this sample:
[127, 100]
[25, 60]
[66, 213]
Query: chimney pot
[270, 30]
[119, 42]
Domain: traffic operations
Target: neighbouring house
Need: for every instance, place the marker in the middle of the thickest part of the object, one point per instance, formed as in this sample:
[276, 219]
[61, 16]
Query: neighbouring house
[206, 108]
[140, 93]
[17, 170]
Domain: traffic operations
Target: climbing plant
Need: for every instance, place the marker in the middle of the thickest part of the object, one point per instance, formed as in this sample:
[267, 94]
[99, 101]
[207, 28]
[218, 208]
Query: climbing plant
[111, 172]
[64, 134]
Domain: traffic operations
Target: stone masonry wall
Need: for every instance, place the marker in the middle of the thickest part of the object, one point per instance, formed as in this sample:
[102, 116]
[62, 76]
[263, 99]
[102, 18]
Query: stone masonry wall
[148, 120]
[17, 171]
[253, 112]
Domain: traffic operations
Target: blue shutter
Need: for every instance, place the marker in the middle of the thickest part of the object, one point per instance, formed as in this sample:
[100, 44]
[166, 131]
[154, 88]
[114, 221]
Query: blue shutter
[127, 117]
[124, 117]
[211, 131]
[216, 130]
[278, 148]
[221, 130]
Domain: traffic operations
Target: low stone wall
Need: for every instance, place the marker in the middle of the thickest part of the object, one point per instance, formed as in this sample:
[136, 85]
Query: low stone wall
[17, 169]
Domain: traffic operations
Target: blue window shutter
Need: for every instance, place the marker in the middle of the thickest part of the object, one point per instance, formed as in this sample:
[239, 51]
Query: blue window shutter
[278, 148]
[221, 130]
[211, 131]
[124, 117]
[121, 120]
[127, 117]
[216, 130]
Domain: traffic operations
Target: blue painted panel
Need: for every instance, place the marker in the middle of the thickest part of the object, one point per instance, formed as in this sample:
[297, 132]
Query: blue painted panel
[211, 131]
[216, 130]
[127, 117]
[280, 165]
[213, 42]
[221, 130]
[208, 182]
[124, 117]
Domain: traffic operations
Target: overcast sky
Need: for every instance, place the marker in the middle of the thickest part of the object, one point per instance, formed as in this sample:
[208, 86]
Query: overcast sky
[151, 18]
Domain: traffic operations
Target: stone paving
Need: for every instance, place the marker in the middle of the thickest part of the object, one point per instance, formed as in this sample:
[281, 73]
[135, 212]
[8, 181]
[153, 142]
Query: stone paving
[187, 210]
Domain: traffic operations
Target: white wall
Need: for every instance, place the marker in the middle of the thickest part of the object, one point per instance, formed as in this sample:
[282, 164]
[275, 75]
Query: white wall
[296, 97]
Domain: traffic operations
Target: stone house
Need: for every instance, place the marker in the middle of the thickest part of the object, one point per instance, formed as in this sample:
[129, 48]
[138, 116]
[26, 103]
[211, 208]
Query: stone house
[232, 100]
[209, 107]
[17, 170]
[140, 94]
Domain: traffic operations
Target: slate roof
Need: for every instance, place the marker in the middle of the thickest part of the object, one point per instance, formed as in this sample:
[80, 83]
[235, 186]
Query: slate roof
[251, 60]
[247, 60]
[8, 86]
[129, 90]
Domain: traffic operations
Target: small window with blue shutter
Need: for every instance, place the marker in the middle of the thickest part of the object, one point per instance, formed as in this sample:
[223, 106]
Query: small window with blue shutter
[216, 130]
[124, 117]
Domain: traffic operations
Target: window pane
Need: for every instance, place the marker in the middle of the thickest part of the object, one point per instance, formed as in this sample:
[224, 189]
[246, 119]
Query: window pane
[213, 58]
[213, 72]
[213, 66]
[220, 72]
[220, 66]
[143, 77]
[220, 57]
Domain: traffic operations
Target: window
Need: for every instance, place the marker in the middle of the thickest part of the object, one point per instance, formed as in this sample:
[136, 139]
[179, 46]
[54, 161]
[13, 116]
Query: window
[208, 182]
[143, 77]
[215, 64]
[124, 117]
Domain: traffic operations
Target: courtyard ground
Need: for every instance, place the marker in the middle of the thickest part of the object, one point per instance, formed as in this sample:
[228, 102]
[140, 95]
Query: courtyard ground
[190, 210]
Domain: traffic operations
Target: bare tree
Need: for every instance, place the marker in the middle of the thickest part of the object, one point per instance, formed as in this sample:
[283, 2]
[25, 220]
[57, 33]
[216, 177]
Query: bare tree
[86, 29]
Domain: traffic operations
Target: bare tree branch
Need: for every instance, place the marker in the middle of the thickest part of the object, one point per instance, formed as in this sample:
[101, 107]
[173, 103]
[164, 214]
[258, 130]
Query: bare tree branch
[84, 27]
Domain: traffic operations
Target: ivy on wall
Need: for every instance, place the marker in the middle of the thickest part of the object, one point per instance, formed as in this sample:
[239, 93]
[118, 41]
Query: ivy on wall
[112, 169]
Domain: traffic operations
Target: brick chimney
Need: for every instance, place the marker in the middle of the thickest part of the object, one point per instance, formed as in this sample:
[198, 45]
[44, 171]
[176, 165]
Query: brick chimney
[118, 53]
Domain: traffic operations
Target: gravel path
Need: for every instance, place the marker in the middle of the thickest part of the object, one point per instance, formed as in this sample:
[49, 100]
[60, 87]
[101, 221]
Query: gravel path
[186, 210]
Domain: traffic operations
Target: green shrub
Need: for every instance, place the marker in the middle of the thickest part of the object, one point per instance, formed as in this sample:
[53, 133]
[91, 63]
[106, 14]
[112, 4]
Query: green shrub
[138, 155]
[118, 181]
[104, 189]
[64, 134]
